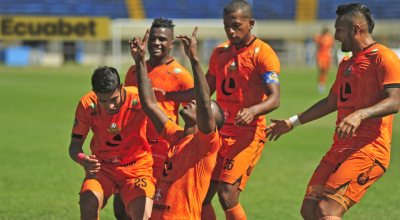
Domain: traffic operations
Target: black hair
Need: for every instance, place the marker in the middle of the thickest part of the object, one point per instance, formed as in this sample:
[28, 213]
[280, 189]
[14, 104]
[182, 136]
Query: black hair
[357, 8]
[220, 117]
[163, 23]
[239, 5]
[105, 79]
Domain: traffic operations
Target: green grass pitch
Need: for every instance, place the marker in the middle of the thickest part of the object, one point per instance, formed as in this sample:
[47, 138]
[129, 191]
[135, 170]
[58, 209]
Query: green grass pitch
[38, 180]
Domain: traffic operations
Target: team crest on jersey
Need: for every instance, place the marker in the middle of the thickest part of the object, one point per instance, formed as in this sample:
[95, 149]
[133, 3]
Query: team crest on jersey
[227, 113]
[134, 102]
[113, 128]
[374, 51]
[232, 67]
[177, 70]
[75, 122]
[116, 160]
[158, 195]
[257, 50]
[348, 72]
[93, 105]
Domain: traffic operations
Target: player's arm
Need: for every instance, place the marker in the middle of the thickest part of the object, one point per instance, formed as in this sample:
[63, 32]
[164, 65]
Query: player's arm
[389, 105]
[318, 110]
[205, 117]
[146, 94]
[246, 115]
[89, 162]
[185, 96]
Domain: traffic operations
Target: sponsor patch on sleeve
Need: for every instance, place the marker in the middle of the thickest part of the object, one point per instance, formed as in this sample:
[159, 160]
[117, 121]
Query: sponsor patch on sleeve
[270, 77]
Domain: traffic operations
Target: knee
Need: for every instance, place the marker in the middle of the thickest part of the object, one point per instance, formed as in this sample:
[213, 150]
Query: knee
[323, 209]
[89, 207]
[307, 212]
[228, 197]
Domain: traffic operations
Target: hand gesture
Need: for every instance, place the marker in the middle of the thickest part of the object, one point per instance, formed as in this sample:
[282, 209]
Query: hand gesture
[348, 126]
[161, 95]
[190, 44]
[138, 47]
[244, 117]
[277, 128]
[91, 166]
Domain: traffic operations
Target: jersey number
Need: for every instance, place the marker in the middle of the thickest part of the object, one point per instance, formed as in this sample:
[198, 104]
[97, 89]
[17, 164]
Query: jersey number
[228, 164]
[140, 182]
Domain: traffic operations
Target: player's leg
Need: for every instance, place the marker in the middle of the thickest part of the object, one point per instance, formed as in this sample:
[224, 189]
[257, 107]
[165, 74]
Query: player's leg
[316, 186]
[119, 208]
[90, 204]
[140, 208]
[238, 164]
[353, 175]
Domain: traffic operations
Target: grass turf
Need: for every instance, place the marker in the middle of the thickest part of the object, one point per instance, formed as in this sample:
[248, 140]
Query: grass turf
[38, 180]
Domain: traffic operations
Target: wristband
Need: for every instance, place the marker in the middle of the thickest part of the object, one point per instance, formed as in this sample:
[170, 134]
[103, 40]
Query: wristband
[295, 121]
[80, 157]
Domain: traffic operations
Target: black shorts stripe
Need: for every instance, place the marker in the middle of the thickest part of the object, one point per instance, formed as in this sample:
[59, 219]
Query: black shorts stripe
[77, 136]
[379, 163]
[391, 86]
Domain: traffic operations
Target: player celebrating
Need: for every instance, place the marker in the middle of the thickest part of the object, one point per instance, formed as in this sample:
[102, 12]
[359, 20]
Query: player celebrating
[167, 74]
[120, 157]
[244, 71]
[324, 57]
[366, 93]
[183, 185]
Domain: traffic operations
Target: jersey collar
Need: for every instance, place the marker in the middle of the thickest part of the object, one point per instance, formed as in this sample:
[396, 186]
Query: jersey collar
[369, 46]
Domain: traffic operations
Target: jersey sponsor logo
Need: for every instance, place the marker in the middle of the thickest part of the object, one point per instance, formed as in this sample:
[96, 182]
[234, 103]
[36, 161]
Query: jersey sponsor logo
[348, 72]
[113, 128]
[134, 102]
[363, 178]
[163, 208]
[116, 160]
[93, 105]
[116, 138]
[165, 174]
[158, 195]
[232, 67]
[177, 70]
[347, 90]
[230, 86]
[76, 122]
[256, 50]
[152, 141]
[227, 113]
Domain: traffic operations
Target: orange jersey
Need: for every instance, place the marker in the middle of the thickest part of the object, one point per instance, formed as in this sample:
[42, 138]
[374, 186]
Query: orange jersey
[325, 43]
[118, 140]
[239, 80]
[182, 188]
[359, 84]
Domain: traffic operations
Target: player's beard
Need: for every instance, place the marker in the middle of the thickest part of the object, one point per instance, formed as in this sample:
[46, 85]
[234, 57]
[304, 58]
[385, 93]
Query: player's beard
[346, 45]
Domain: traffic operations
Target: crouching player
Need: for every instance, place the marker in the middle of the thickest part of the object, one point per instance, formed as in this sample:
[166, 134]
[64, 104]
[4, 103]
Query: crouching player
[183, 185]
[121, 157]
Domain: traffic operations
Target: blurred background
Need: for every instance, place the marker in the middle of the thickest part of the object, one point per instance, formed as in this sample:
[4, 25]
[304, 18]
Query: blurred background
[49, 49]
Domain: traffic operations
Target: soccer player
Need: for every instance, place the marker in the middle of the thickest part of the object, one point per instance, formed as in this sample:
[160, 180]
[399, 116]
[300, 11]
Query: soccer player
[365, 95]
[182, 187]
[244, 72]
[121, 157]
[324, 57]
[167, 74]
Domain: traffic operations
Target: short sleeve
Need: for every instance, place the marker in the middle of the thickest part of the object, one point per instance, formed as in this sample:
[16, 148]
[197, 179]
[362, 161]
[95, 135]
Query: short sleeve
[208, 143]
[268, 61]
[187, 81]
[388, 68]
[212, 66]
[81, 123]
[171, 132]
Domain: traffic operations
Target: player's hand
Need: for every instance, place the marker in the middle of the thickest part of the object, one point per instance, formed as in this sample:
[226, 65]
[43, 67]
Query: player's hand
[277, 128]
[190, 44]
[138, 47]
[244, 117]
[91, 166]
[347, 127]
[161, 95]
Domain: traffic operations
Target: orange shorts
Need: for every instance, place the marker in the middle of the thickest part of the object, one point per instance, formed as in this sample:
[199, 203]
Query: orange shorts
[345, 175]
[239, 161]
[159, 149]
[107, 182]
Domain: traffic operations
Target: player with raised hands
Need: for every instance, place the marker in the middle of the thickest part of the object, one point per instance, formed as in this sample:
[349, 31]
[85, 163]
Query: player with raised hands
[183, 185]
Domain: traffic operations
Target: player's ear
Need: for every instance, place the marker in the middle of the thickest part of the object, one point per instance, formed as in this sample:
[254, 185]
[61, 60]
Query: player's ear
[172, 45]
[251, 23]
